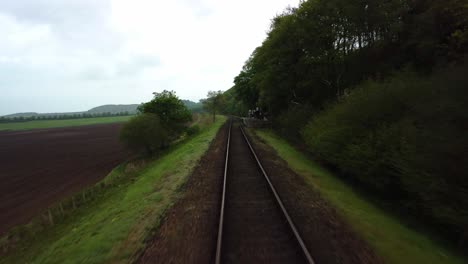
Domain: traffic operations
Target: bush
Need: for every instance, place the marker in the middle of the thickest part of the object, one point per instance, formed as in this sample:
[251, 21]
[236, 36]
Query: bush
[193, 130]
[145, 133]
[405, 138]
[289, 123]
[172, 112]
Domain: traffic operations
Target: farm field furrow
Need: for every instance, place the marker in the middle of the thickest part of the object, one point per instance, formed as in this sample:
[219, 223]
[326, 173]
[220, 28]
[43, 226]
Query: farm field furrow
[40, 167]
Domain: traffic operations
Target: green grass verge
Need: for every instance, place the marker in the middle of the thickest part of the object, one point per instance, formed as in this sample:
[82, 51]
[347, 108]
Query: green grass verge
[392, 240]
[63, 123]
[113, 227]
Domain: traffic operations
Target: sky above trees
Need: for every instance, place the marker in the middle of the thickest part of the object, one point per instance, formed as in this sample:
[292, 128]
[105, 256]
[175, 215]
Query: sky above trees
[67, 55]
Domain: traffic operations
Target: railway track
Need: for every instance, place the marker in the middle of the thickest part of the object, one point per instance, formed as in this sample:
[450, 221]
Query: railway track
[254, 226]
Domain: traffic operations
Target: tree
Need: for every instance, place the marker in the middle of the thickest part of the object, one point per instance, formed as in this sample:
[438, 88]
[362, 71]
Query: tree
[145, 132]
[171, 111]
[214, 102]
[232, 105]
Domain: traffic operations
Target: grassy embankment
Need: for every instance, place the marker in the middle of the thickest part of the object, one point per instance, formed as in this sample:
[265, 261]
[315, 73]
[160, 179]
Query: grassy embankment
[393, 241]
[63, 123]
[112, 228]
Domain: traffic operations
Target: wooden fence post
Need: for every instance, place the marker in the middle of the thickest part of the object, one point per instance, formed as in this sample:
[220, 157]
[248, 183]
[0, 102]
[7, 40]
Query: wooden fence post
[61, 209]
[51, 219]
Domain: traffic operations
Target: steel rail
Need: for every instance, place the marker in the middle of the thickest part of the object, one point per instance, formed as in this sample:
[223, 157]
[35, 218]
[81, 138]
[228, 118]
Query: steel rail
[221, 214]
[306, 252]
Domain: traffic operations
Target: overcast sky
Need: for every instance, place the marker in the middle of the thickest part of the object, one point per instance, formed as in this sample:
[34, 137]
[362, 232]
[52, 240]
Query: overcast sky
[71, 55]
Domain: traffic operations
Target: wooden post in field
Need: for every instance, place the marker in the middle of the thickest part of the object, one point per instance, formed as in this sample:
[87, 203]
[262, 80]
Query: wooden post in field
[61, 209]
[73, 201]
[51, 219]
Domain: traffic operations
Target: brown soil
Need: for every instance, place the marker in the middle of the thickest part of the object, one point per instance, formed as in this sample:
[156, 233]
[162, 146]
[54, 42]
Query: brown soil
[189, 231]
[328, 238]
[39, 167]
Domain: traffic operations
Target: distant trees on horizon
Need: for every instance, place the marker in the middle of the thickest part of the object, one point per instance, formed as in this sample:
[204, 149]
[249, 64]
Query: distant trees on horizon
[17, 119]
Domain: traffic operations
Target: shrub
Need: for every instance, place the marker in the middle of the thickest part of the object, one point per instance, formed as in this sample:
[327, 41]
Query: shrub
[289, 123]
[145, 133]
[193, 130]
[172, 112]
[405, 138]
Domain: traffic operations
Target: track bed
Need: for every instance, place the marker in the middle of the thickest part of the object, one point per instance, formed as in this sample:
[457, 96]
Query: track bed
[255, 229]
[252, 227]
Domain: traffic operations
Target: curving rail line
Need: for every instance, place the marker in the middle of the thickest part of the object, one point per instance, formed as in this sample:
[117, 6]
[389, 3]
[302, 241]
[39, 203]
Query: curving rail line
[306, 254]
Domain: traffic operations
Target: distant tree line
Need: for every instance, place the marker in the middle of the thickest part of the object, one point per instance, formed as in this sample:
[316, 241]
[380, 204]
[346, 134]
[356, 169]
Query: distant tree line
[17, 119]
[376, 89]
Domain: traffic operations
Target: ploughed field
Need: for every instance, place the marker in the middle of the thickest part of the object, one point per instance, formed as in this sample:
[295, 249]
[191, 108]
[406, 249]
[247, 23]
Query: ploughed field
[39, 167]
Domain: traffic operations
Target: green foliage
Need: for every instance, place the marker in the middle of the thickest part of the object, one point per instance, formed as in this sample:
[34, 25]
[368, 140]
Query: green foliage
[392, 240]
[315, 53]
[193, 130]
[214, 103]
[400, 136]
[244, 89]
[145, 132]
[162, 121]
[172, 112]
[404, 138]
[233, 105]
[289, 123]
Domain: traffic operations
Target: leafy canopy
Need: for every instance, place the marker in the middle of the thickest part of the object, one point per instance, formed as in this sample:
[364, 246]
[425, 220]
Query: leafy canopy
[169, 108]
[214, 102]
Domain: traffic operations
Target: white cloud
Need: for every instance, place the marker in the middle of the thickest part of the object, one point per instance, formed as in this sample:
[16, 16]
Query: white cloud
[59, 55]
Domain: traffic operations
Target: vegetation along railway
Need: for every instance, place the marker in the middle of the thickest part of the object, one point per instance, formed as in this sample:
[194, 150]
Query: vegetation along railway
[254, 225]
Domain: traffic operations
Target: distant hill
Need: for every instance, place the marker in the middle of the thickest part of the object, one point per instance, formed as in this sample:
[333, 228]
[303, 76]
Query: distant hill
[113, 109]
[28, 114]
[31, 114]
[192, 106]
